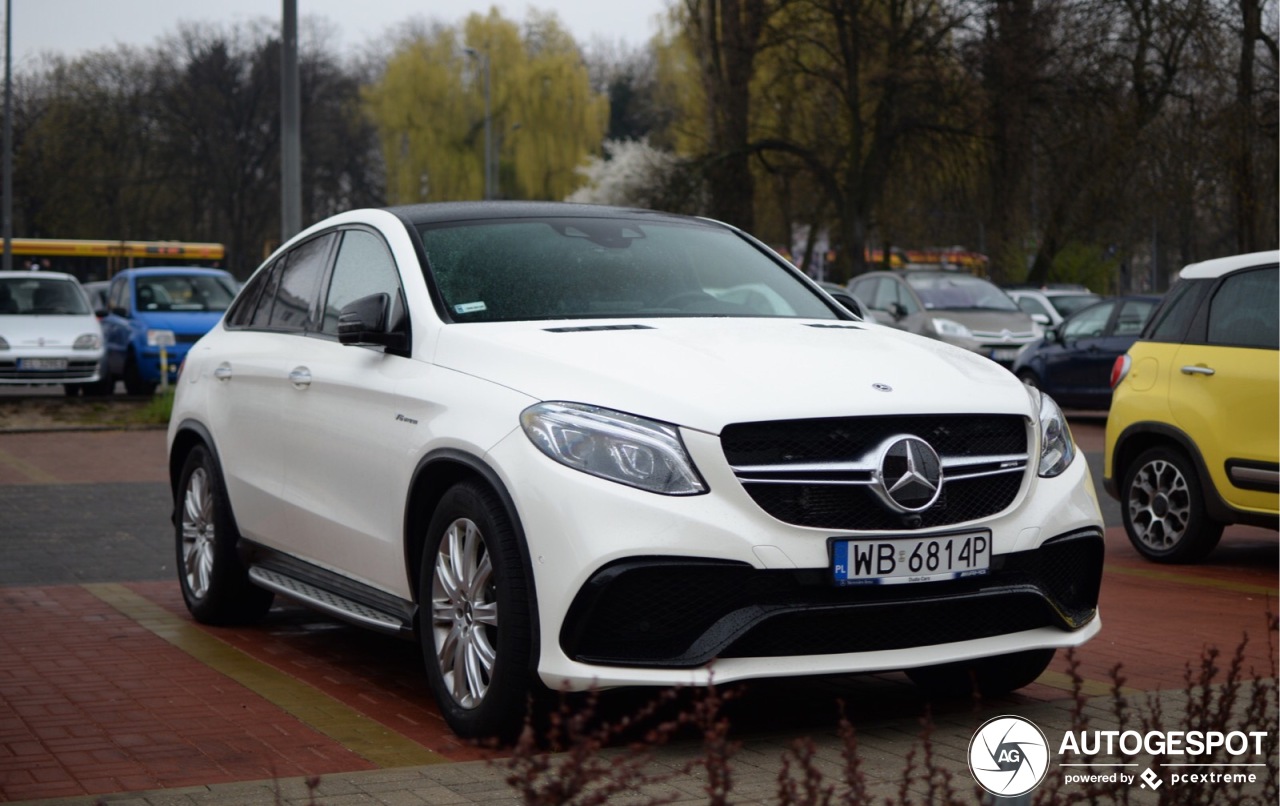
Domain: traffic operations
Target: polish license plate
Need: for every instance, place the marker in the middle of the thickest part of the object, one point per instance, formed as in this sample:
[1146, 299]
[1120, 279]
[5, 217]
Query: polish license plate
[1004, 354]
[912, 559]
[54, 364]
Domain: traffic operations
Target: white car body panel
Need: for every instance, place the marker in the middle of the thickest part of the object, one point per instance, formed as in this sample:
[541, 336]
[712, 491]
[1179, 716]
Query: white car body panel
[322, 470]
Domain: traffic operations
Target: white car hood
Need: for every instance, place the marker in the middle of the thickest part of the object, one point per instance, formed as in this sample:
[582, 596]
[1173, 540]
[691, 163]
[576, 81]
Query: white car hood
[705, 373]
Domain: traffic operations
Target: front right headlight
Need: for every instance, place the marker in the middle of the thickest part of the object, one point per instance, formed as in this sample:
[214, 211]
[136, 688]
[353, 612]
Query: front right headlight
[1057, 448]
[630, 450]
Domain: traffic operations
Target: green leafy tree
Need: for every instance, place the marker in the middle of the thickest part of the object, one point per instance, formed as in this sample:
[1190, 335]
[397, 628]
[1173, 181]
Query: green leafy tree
[428, 106]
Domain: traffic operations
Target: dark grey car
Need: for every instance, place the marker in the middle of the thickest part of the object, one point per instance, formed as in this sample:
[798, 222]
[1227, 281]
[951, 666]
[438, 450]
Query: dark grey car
[951, 306]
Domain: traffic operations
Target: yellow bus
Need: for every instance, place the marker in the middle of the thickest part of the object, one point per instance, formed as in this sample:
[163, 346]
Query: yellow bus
[100, 260]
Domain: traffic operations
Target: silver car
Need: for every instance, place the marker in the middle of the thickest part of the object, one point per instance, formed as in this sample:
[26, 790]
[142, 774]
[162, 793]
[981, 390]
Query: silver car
[951, 306]
[48, 333]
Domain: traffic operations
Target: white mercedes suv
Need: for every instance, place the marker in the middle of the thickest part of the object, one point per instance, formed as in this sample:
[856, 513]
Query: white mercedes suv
[576, 446]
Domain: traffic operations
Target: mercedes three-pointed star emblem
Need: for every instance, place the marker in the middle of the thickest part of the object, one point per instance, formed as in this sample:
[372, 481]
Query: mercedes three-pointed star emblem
[909, 474]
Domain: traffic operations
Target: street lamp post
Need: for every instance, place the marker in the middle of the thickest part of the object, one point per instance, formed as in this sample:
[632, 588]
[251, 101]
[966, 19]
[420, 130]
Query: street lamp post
[6, 263]
[483, 57]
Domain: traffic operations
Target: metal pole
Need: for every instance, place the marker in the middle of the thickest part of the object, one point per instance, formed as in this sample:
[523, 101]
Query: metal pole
[488, 122]
[488, 135]
[7, 263]
[290, 130]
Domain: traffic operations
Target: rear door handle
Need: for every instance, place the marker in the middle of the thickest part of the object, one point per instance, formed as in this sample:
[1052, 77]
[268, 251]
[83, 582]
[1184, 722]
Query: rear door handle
[300, 377]
[223, 372]
[1197, 370]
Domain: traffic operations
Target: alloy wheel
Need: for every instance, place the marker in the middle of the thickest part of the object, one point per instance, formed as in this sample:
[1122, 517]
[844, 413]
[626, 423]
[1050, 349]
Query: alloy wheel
[198, 533]
[1159, 505]
[464, 613]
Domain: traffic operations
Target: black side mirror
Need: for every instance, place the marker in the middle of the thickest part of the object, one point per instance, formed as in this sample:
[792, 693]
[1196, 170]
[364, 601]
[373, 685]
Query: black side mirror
[364, 323]
[897, 310]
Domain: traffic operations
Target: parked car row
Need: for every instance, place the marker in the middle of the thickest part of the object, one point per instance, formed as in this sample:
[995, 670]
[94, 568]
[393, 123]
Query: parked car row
[135, 328]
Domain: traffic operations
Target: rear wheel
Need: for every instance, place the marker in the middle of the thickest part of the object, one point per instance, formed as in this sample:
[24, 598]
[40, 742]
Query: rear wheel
[474, 620]
[1029, 378]
[1163, 508]
[215, 583]
[988, 677]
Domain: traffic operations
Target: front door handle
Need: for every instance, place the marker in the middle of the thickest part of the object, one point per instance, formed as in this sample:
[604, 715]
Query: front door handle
[300, 377]
[223, 372]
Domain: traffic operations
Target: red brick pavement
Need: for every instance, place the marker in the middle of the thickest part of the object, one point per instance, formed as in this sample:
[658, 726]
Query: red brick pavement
[92, 702]
[95, 703]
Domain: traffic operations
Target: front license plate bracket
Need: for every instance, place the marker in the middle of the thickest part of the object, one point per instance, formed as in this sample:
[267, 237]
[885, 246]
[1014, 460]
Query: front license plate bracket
[911, 559]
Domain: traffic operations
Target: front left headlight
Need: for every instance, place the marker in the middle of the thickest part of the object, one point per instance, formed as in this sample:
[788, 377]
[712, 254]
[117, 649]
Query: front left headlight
[951, 328]
[630, 450]
[87, 341]
[1057, 448]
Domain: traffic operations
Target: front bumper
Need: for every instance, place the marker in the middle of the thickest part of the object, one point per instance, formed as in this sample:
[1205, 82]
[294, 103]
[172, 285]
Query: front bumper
[79, 366]
[686, 613]
[634, 588]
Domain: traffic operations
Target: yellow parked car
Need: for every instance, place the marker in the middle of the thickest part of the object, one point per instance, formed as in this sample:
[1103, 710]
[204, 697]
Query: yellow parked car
[1192, 437]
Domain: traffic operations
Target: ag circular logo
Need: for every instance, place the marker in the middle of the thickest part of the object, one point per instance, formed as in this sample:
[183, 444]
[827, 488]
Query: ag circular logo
[1009, 756]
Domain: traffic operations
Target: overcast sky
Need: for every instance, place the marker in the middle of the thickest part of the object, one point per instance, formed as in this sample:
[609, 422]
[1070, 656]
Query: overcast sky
[73, 26]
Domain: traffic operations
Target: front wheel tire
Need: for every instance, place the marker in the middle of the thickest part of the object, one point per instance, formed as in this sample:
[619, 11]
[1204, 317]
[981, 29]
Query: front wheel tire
[215, 583]
[1163, 507]
[134, 383]
[987, 677]
[474, 620]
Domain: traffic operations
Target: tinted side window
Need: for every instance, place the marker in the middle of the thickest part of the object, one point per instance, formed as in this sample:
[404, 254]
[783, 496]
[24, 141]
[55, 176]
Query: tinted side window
[1179, 308]
[364, 266]
[240, 314]
[261, 316]
[119, 294]
[905, 299]
[297, 293]
[1243, 312]
[1032, 306]
[1133, 316]
[865, 290]
[1090, 323]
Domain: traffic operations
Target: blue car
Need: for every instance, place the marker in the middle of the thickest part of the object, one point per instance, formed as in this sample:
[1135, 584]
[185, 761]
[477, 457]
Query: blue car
[1073, 362]
[161, 308]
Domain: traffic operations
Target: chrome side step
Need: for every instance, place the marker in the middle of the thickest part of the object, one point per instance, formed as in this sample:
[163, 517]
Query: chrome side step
[328, 602]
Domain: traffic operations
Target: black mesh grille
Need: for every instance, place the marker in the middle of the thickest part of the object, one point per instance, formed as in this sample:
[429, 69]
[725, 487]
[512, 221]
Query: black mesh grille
[680, 612]
[833, 506]
[846, 506]
[844, 439]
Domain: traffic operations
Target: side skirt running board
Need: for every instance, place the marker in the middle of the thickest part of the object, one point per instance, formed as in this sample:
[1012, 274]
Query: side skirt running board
[332, 603]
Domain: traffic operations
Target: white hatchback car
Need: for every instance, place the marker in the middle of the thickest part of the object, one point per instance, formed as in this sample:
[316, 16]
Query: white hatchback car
[581, 446]
[48, 333]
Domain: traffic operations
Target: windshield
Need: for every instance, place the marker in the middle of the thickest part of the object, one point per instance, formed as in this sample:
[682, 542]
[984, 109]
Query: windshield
[38, 296]
[959, 292]
[570, 268]
[183, 292]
